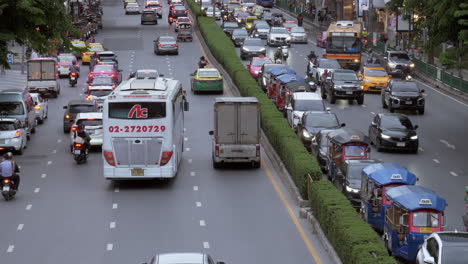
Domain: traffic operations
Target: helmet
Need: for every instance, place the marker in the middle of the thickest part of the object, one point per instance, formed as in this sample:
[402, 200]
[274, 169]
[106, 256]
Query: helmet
[8, 156]
[202, 58]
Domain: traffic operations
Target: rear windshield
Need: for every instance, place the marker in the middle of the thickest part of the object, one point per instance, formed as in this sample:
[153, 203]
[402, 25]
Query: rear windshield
[11, 108]
[309, 105]
[259, 63]
[137, 110]
[74, 109]
[6, 126]
[96, 48]
[65, 59]
[375, 73]
[100, 92]
[208, 74]
[102, 68]
[102, 81]
[89, 122]
[253, 42]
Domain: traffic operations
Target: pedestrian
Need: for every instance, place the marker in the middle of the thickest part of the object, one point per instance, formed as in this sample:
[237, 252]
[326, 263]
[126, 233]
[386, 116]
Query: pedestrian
[320, 17]
[300, 18]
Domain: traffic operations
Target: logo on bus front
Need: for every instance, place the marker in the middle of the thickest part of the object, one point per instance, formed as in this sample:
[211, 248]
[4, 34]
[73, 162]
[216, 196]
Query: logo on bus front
[138, 112]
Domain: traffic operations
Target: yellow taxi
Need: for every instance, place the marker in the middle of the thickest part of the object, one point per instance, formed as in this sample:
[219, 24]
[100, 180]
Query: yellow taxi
[92, 48]
[249, 22]
[374, 77]
[78, 47]
[257, 11]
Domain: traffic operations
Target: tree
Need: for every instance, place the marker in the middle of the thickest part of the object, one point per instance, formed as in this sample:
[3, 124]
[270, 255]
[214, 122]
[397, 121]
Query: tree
[462, 14]
[36, 23]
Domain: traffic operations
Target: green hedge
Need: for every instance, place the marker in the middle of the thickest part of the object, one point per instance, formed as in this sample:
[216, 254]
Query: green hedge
[353, 239]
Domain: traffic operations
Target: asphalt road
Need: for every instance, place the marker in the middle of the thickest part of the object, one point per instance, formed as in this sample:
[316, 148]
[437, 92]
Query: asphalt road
[68, 213]
[441, 161]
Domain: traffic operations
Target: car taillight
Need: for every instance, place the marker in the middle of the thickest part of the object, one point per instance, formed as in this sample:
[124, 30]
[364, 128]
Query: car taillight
[109, 157]
[89, 86]
[73, 73]
[160, 45]
[37, 107]
[91, 75]
[185, 11]
[17, 134]
[174, 11]
[258, 151]
[165, 157]
[26, 121]
[74, 128]
[175, 45]
[84, 53]
[113, 75]
[88, 97]
[217, 150]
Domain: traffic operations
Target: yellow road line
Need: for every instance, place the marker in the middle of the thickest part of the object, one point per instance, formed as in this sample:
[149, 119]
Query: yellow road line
[285, 202]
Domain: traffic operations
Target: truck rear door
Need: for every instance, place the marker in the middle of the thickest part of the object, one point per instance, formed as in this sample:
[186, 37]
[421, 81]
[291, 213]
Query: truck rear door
[226, 123]
[248, 123]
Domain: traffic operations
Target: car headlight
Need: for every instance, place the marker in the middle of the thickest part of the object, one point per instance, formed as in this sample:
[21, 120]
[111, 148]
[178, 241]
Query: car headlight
[414, 137]
[384, 136]
[288, 38]
[262, 49]
[412, 65]
[311, 83]
[306, 134]
[337, 86]
[361, 87]
[256, 72]
[245, 49]
[356, 60]
[391, 64]
[352, 190]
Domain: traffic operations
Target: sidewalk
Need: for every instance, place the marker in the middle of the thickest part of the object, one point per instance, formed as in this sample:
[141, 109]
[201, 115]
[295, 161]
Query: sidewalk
[12, 79]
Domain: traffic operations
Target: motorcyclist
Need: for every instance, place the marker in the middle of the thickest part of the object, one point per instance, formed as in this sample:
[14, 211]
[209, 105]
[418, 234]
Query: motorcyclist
[9, 169]
[74, 69]
[203, 62]
[300, 18]
[278, 54]
[86, 138]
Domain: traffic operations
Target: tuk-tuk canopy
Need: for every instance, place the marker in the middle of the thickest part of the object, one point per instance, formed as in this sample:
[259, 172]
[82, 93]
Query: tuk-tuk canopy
[287, 78]
[298, 86]
[281, 70]
[347, 135]
[388, 173]
[414, 197]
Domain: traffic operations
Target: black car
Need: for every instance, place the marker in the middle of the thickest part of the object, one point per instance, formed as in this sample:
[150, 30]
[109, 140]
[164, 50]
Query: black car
[75, 107]
[319, 148]
[229, 26]
[252, 47]
[401, 94]
[393, 131]
[348, 179]
[238, 36]
[166, 45]
[343, 84]
[179, 11]
[312, 122]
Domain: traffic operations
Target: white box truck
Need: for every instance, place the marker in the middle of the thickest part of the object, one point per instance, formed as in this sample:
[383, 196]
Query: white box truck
[43, 76]
[236, 131]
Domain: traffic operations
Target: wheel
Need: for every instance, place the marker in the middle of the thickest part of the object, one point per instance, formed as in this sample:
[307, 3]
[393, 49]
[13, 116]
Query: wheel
[332, 98]
[33, 130]
[216, 165]
[55, 94]
[421, 111]
[255, 164]
[41, 120]
[360, 100]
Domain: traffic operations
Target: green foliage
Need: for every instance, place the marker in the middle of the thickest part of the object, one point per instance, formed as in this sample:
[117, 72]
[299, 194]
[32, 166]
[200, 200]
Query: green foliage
[462, 15]
[455, 57]
[353, 239]
[40, 24]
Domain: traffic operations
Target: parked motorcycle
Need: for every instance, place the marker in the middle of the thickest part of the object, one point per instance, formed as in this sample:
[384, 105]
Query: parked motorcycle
[8, 189]
[73, 79]
[80, 153]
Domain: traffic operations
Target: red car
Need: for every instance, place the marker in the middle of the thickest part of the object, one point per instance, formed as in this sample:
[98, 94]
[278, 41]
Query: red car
[255, 65]
[105, 70]
[322, 39]
[289, 24]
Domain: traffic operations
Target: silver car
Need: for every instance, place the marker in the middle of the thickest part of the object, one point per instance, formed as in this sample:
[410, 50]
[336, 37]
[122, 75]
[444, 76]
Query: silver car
[217, 12]
[166, 45]
[192, 258]
[260, 30]
[41, 107]
[279, 36]
[12, 135]
[132, 8]
[92, 123]
[298, 35]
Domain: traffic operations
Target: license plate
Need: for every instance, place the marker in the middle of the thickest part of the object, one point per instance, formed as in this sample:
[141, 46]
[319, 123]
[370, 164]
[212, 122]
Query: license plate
[425, 230]
[77, 151]
[6, 188]
[72, 78]
[400, 144]
[409, 102]
[65, 67]
[237, 150]
[138, 172]
[349, 92]
[42, 89]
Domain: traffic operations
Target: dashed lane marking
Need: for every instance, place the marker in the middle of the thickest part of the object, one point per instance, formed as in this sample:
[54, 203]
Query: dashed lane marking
[185, 138]
[195, 188]
[187, 149]
[192, 173]
[109, 247]
[59, 140]
[20, 227]
[189, 160]
[446, 143]
[421, 149]
[37, 190]
[54, 151]
[453, 174]
[373, 113]
[198, 204]
[10, 248]
[436, 161]
[116, 189]
[112, 225]
[206, 245]
[28, 207]
[115, 206]
[49, 162]
[202, 223]
[43, 175]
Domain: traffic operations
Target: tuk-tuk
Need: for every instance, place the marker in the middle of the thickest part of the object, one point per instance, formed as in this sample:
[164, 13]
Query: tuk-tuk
[415, 213]
[271, 82]
[346, 143]
[282, 91]
[185, 32]
[376, 180]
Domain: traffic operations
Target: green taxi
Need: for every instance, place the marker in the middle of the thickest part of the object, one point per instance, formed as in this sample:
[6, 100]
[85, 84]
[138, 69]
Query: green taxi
[206, 80]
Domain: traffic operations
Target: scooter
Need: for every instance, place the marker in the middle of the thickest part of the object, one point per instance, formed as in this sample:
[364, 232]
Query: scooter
[80, 153]
[73, 79]
[8, 189]
[285, 51]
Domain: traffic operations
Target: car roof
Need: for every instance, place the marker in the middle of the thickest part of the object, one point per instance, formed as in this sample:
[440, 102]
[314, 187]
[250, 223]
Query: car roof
[80, 102]
[344, 70]
[101, 87]
[453, 238]
[12, 91]
[307, 96]
[181, 258]
[208, 70]
[262, 58]
[97, 115]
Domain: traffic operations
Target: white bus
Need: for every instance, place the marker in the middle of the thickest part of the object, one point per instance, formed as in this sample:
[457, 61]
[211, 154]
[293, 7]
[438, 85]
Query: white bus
[143, 123]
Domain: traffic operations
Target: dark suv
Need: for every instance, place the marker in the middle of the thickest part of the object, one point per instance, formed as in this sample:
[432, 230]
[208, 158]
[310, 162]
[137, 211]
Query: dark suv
[75, 107]
[343, 84]
[400, 94]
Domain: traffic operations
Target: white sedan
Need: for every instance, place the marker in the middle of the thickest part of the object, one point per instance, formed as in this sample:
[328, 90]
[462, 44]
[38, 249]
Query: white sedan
[41, 107]
[12, 135]
[217, 13]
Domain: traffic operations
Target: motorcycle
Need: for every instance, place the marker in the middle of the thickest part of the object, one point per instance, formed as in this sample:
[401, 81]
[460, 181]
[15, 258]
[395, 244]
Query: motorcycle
[405, 74]
[73, 79]
[80, 153]
[285, 51]
[8, 189]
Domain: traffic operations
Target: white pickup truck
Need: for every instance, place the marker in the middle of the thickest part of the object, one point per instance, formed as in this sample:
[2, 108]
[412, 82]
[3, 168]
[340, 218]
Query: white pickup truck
[236, 131]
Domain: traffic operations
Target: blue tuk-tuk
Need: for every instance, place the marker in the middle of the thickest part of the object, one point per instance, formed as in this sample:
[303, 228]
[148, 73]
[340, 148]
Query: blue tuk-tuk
[282, 93]
[415, 213]
[271, 82]
[376, 180]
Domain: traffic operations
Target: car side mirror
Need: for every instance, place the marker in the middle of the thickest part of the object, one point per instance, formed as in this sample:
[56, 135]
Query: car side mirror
[374, 124]
[429, 260]
[211, 132]
[343, 124]
[416, 126]
[186, 106]
[65, 107]
[328, 109]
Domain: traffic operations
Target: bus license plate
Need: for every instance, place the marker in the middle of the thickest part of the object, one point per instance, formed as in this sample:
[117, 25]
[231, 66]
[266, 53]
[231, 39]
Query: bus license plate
[425, 230]
[138, 172]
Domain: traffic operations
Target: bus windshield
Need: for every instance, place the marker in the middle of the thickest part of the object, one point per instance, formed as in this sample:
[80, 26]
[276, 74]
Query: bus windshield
[343, 44]
[137, 110]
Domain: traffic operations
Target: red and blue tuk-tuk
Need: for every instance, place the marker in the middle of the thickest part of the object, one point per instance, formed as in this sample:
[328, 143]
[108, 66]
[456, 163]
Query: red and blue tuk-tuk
[283, 92]
[415, 213]
[376, 180]
[274, 73]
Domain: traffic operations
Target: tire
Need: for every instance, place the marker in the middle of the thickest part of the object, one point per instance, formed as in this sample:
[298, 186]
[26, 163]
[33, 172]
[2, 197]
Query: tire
[40, 120]
[360, 100]
[54, 94]
[332, 98]
[216, 165]
[33, 130]
[421, 111]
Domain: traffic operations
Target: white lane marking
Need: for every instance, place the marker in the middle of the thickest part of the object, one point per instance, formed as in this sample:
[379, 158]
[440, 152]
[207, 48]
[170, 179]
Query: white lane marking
[59, 140]
[202, 223]
[195, 188]
[20, 227]
[110, 247]
[198, 204]
[28, 207]
[363, 105]
[421, 149]
[54, 151]
[372, 113]
[10, 248]
[446, 95]
[116, 189]
[187, 149]
[436, 161]
[43, 175]
[37, 190]
[454, 174]
[49, 162]
[185, 138]
[185, 129]
[112, 225]
[189, 160]
[192, 173]
[446, 143]
[206, 245]
[115, 206]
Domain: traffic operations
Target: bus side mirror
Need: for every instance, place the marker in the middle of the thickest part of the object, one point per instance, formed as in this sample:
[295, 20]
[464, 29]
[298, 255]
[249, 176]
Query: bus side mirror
[211, 132]
[186, 106]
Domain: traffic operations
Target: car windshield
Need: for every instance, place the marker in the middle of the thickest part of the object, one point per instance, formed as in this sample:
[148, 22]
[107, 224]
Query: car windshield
[102, 68]
[6, 126]
[11, 108]
[454, 254]
[210, 9]
[65, 59]
[279, 31]
[425, 219]
[343, 44]
[79, 44]
[101, 80]
[258, 63]
[405, 87]
[230, 25]
[297, 30]
[323, 120]
[239, 33]
[308, 105]
[396, 122]
[253, 42]
[354, 151]
[354, 171]
[90, 122]
[208, 74]
[84, 108]
[329, 64]
[96, 48]
[289, 25]
[399, 56]
[375, 73]
[345, 76]
[179, 8]
[100, 92]
[262, 25]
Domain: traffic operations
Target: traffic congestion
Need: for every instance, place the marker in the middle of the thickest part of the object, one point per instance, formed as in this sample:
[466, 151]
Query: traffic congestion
[130, 145]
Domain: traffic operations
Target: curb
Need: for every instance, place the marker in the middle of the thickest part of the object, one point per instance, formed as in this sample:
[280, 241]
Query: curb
[304, 210]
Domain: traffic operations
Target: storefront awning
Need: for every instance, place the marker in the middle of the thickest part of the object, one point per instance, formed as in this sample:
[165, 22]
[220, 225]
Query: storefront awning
[379, 3]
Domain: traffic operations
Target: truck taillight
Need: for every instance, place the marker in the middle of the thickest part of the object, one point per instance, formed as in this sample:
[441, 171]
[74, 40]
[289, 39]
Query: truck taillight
[217, 150]
[165, 157]
[258, 151]
[109, 157]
